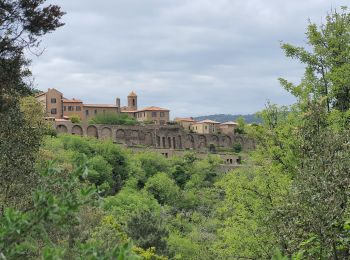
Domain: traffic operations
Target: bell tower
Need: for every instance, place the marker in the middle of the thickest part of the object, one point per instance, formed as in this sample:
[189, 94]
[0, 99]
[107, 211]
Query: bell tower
[132, 101]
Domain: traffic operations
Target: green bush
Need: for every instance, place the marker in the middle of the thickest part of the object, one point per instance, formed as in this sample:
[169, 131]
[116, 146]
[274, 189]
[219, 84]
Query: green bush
[75, 119]
[113, 119]
[237, 147]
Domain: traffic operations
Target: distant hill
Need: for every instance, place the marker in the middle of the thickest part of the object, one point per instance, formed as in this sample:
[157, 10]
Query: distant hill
[251, 118]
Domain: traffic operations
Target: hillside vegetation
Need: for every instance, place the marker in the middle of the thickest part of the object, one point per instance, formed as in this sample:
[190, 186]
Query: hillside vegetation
[71, 197]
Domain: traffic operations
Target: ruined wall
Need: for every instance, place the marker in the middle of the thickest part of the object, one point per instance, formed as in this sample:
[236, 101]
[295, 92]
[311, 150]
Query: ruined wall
[155, 136]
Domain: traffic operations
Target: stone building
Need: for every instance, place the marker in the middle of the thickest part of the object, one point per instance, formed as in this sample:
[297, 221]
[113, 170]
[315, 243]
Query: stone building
[52, 102]
[205, 127]
[228, 127]
[59, 107]
[185, 122]
[157, 115]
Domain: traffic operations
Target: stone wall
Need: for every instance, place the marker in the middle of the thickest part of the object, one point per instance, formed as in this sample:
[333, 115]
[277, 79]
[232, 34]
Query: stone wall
[155, 136]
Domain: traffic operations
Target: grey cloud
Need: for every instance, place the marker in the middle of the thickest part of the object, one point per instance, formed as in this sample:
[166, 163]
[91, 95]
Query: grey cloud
[194, 56]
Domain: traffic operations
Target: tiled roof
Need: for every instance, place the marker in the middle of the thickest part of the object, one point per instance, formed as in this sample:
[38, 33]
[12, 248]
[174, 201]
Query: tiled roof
[153, 109]
[129, 111]
[230, 123]
[40, 94]
[178, 119]
[100, 105]
[208, 121]
[72, 100]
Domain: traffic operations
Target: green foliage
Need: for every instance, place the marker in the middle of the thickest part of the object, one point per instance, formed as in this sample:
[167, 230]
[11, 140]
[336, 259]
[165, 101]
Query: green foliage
[237, 147]
[55, 205]
[163, 189]
[148, 229]
[113, 119]
[327, 64]
[75, 119]
[20, 140]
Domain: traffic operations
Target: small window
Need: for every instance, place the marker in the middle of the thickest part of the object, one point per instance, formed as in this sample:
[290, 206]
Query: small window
[70, 108]
[54, 111]
[154, 114]
[162, 114]
[87, 112]
[53, 100]
[78, 108]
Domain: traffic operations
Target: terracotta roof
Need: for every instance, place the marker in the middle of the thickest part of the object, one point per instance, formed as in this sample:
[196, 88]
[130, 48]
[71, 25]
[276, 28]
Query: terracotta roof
[61, 120]
[100, 105]
[40, 94]
[230, 123]
[153, 109]
[178, 119]
[72, 100]
[132, 94]
[129, 111]
[208, 121]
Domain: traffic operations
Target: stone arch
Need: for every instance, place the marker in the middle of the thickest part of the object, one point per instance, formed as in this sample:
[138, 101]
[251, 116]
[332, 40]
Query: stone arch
[77, 130]
[189, 143]
[149, 139]
[106, 133]
[163, 142]
[180, 142]
[134, 134]
[215, 140]
[61, 129]
[120, 134]
[158, 141]
[169, 142]
[202, 141]
[92, 131]
[239, 139]
[226, 141]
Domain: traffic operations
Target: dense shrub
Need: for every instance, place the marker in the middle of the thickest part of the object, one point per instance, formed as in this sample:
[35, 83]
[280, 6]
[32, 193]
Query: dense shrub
[113, 119]
[75, 119]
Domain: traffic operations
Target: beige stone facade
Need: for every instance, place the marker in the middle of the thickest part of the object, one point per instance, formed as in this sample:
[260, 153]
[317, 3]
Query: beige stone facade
[91, 110]
[205, 127]
[157, 115]
[228, 127]
[186, 123]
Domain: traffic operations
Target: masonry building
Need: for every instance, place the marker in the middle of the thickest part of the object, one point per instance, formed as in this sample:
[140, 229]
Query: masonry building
[59, 107]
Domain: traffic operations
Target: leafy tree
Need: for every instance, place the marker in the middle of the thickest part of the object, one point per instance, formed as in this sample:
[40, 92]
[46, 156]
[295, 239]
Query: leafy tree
[18, 152]
[163, 189]
[22, 24]
[327, 63]
[22, 233]
[113, 119]
[147, 230]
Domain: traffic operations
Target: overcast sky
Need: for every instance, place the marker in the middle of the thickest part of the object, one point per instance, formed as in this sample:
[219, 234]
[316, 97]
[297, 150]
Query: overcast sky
[195, 57]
